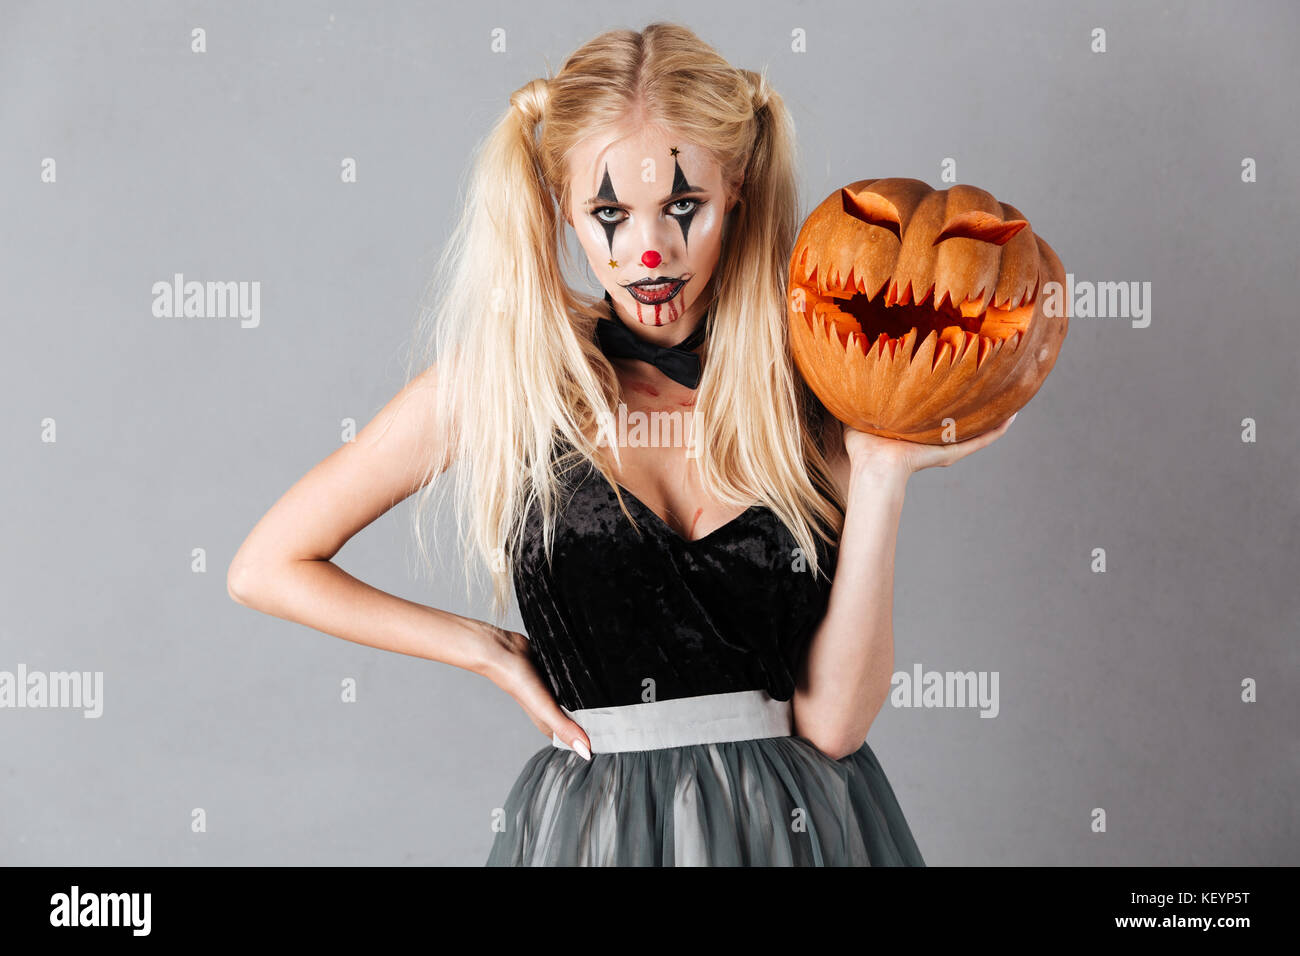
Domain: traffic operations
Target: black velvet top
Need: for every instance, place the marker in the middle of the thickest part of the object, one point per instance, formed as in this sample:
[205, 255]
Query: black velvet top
[620, 607]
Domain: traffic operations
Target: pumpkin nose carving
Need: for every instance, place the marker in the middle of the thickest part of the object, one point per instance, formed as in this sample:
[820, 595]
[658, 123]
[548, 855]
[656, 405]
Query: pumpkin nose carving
[650, 259]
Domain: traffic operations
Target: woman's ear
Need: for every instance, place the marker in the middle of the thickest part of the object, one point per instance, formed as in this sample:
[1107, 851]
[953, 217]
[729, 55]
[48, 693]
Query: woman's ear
[735, 193]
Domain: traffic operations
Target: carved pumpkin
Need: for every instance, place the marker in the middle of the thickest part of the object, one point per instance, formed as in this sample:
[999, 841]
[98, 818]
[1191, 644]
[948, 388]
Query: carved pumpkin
[910, 305]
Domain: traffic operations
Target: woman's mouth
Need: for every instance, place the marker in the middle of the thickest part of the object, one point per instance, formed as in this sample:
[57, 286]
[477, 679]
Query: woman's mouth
[655, 291]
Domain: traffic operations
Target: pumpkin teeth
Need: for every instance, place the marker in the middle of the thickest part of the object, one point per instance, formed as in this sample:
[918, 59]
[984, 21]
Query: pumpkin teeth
[881, 343]
[975, 305]
[944, 352]
[831, 281]
[969, 329]
[852, 282]
[1015, 299]
[822, 327]
[893, 295]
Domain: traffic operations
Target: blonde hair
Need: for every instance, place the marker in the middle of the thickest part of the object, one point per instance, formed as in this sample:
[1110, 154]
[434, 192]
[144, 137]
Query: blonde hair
[518, 368]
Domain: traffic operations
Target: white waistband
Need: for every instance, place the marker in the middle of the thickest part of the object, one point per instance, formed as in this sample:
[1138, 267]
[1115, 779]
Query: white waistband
[682, 722]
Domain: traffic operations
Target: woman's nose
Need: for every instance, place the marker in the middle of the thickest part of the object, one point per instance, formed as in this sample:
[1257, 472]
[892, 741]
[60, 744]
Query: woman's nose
[653, 240]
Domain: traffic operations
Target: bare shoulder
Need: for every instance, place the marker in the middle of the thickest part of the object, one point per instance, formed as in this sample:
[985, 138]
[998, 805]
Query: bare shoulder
[410, 438]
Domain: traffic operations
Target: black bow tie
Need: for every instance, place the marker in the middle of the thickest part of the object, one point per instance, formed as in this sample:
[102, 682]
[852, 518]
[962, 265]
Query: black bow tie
[678, 362]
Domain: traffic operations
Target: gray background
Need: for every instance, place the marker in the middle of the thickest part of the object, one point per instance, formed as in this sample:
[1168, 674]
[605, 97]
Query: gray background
[1118, 690]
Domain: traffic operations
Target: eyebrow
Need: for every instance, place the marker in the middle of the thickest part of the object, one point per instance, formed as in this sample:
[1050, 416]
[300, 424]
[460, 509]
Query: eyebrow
[598, 201]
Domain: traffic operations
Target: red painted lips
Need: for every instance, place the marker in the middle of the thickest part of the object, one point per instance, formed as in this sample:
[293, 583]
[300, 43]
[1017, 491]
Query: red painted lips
[655, 291]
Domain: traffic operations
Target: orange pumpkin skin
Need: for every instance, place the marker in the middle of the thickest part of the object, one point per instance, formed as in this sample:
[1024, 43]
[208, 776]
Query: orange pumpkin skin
[910, 305]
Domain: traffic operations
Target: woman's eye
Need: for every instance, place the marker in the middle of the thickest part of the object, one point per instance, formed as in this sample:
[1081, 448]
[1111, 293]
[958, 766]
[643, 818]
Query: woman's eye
[612, 215]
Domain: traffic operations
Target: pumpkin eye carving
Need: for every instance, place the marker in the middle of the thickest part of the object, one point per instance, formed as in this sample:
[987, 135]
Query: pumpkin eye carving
[873, 209]
[981, 226]
[898, 336]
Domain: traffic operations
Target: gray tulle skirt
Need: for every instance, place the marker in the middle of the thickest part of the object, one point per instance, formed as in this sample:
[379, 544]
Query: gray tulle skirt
[774, 801]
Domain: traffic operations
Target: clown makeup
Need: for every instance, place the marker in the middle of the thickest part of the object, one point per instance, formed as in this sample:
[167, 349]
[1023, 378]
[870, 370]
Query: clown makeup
[648, 210]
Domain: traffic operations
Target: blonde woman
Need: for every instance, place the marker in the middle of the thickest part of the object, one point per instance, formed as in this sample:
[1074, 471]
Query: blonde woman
[709, 617]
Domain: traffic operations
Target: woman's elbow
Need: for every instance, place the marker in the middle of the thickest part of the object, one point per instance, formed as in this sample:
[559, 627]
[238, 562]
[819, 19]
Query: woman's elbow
[833, 737]
[837, 734]
[241, 580]
[839, 746]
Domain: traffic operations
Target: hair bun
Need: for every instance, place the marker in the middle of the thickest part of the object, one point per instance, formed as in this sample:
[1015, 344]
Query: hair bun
[530, 99]
[760, 93]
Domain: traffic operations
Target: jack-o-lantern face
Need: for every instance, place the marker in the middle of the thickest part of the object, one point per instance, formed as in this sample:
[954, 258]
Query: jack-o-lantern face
[909, 306]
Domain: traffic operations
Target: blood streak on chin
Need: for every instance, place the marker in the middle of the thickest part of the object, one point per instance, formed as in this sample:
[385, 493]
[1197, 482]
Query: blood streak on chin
[673, 313]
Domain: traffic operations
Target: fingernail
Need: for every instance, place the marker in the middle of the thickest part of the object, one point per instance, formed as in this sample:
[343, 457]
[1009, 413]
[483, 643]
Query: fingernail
[582, 750]
[1013, 418]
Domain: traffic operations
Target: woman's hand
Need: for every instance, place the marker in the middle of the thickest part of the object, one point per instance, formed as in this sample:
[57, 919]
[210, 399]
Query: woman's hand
[515, 671]
[906, 457]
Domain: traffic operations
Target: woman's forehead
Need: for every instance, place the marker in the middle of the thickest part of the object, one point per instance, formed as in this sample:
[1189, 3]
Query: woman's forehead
[640, 165]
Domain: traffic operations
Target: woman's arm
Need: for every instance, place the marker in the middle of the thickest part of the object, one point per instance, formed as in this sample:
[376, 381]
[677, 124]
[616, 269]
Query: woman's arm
[285, 568]
[846, 672]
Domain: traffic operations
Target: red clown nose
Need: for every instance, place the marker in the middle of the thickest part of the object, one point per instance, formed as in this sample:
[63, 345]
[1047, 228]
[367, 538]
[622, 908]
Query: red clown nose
[651, 259]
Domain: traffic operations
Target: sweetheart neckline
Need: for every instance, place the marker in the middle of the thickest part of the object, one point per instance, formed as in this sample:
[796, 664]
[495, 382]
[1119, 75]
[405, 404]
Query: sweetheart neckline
[673, 531]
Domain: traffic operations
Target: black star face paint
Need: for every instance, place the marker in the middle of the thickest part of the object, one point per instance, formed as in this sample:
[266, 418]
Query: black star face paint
[648, 209]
